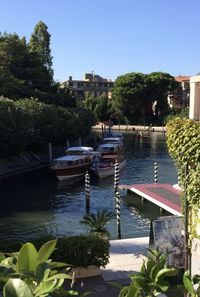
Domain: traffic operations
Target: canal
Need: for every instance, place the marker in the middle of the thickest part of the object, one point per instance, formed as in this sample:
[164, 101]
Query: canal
[36, 204]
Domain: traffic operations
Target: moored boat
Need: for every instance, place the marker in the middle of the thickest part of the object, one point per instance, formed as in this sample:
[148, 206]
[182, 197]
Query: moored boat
[110, 148]
[105, 166]
[70, 166]
[115, 140]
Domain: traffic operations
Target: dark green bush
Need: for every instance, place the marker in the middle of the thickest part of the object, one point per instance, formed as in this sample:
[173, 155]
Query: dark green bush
[82, 250]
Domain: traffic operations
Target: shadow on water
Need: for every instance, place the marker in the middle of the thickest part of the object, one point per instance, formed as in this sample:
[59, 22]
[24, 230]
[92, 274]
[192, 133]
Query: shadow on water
[36, 204]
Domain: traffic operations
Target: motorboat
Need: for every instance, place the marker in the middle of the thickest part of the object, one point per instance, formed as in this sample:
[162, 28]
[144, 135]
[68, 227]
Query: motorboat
[70, 166]
[82, 151]
[113, 140]
[110, 148]
[105, 165]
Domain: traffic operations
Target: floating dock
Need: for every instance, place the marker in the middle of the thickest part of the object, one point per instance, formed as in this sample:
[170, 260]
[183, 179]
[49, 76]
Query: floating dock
[163, 195]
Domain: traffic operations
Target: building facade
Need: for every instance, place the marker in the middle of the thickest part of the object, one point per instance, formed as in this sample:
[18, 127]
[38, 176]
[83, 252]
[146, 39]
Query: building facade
[180, 98]
[194, 111]
[91, 85]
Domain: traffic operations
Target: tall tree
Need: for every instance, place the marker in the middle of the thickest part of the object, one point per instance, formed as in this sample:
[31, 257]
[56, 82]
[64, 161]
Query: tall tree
[40, 44]
[135, 93]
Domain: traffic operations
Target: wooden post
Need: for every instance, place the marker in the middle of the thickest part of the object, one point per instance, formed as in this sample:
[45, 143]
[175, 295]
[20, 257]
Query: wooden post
[102, 133]
[50, 153]
[117, 203]
[155, 172]
[116, 178]
[79, 141]
[67, 144]
[87, 191]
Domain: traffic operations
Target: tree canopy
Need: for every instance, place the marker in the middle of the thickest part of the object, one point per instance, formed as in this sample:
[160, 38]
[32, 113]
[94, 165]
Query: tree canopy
[26, 68]
[134, 95]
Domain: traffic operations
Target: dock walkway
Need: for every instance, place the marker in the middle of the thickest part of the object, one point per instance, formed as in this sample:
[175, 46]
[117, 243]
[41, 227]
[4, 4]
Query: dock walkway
[163, 195]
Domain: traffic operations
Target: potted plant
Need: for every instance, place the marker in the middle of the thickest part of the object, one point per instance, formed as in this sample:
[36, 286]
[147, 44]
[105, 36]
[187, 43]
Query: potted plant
[97, 222]
[85, 253]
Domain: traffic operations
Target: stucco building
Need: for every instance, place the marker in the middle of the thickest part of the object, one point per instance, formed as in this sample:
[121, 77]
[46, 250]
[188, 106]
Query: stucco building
[194, 112]
[180, 98]
[91, 85]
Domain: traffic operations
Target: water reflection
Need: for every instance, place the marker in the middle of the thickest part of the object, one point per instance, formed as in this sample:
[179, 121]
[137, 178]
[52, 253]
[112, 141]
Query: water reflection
[37, 204]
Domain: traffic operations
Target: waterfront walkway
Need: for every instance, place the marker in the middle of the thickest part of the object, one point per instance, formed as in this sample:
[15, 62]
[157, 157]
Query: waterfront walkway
[126, 257]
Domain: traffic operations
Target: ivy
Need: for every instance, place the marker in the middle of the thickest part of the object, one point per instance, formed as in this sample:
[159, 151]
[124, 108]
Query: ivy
[183, 141]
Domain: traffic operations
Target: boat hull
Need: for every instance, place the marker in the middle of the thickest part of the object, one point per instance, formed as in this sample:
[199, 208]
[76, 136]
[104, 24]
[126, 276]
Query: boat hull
[108, 171]
[70, 173]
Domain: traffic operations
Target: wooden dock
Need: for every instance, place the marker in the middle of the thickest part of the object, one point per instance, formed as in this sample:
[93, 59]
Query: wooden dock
[163, 195]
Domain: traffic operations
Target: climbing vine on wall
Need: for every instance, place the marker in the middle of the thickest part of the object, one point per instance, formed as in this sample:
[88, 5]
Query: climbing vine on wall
[183, 141]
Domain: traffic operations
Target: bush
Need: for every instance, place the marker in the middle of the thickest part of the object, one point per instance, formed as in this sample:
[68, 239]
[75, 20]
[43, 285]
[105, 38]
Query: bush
[83, 250]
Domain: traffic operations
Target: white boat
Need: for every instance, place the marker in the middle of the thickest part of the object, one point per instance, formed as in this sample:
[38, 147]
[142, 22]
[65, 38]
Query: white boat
[110, 148]
[82, 151]
[104, 166]
[70, 166]
[113, 140]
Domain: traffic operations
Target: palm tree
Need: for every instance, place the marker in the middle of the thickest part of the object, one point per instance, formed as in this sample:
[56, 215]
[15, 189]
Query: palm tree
[97, 222]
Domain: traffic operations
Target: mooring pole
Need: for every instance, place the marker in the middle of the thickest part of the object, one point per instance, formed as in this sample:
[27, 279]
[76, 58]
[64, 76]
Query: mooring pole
[116, 179]
[117, 203]
[50, 153]
[79, 141]
[155, 172]
[67, 144]
[87, 191]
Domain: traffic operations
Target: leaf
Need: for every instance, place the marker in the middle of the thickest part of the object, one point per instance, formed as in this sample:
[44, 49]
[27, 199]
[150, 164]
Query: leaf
[188, 283]
[46, 250]
[16, 288]
[27, 258]
[59, 276]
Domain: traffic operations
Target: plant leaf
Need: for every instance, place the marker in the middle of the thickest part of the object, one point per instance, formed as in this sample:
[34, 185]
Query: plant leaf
[16, 288]
[46, 250]
[27, 259]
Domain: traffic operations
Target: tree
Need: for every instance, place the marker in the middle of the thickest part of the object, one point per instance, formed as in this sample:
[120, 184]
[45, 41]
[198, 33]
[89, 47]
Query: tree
[13, 57]
[134, 94]
[40, 44]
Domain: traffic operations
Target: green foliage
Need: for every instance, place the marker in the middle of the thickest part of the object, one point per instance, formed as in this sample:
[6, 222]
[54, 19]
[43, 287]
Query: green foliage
[151, 280]
[83, 250]
[40, 45]
[84, 121]
[183, 140]
[191, 285]
[13, 129]
[184, 113]
[31, 273]
[29, 124]
[97, 222]
[100, 106]
[134, 94]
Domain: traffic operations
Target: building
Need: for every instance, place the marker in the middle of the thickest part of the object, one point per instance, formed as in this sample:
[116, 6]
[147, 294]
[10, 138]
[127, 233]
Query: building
[91, 85]
[180, 98]
[194, 112]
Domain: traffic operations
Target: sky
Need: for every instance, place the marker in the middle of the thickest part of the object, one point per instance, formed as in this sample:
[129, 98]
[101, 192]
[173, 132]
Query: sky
[112, 37]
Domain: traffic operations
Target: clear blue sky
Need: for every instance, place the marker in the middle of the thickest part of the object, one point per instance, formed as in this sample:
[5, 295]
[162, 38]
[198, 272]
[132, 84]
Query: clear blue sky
[112, 37]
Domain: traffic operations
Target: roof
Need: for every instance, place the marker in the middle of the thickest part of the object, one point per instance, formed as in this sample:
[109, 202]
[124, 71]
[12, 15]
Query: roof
[69, 158]
[80, 149]
[109, 145]
[112, 139]
[181, 78]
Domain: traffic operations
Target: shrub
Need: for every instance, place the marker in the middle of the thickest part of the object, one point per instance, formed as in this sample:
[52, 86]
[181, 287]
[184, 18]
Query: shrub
[83, 250]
